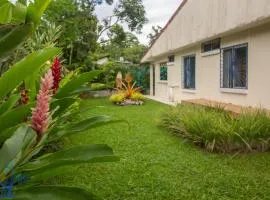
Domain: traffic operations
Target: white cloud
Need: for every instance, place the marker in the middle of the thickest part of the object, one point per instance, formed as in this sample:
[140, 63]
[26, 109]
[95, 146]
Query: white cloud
[158, 13]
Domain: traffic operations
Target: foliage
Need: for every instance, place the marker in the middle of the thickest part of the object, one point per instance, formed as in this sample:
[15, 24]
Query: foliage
[82, 29]
[53, 117]
[98, 86]
[137, 96]
[118, 98]
[45, 36]
[129, 87]
[109, 72]
[126, 90]
[157, 165]
[216, 130]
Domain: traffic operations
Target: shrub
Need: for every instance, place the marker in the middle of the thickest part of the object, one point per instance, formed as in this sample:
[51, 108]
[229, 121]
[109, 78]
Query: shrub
[118, 98]
[217, 130]
[137, 96]
[98, 86]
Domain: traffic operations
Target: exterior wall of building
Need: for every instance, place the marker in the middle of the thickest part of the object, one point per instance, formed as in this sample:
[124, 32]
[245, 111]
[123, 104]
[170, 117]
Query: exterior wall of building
[200, 20]
[208, 72]
[103, 61]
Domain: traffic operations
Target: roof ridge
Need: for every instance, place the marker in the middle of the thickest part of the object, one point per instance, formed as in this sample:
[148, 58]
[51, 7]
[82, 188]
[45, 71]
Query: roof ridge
[167, 24]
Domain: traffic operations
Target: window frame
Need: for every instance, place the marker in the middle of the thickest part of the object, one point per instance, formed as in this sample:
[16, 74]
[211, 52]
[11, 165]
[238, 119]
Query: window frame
[171, 59]
[210, 42]
[183, 72]
[161, 65]
[233, 48]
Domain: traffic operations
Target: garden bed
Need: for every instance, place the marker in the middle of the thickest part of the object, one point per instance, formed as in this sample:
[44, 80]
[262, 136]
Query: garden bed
[217, 130]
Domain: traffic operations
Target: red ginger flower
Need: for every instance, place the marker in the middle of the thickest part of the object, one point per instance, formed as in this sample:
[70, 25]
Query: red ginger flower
[56, 72]
[41, 113]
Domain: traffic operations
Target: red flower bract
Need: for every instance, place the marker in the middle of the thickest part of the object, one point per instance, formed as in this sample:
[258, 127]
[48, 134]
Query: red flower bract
[56, 72]
[41, 113]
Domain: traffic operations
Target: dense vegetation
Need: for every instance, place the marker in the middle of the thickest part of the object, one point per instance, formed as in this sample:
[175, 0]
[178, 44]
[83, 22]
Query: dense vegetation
[217, 130]
[38, 107]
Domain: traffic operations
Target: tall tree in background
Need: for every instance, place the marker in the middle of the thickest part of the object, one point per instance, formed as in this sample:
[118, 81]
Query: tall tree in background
[82, 29]
[156, 30]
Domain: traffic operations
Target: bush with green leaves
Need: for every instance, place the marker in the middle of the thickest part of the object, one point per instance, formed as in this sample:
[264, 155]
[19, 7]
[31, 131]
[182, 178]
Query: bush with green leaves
[118, 98]
[98, 86]
[23, 134]
[219, 131]
[137, 96]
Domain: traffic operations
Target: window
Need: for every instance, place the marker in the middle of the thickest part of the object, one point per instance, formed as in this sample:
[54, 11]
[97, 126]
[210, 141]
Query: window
[163, 72]
[211, 45]
[234, 67]
[171, 59]
[189, 72]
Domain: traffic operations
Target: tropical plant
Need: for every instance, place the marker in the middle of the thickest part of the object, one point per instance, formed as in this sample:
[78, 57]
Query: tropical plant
[137, 96]
[130, 88]
[118, 98]
[127, 91]
[21, 166]
[98, 86]
[219, 131]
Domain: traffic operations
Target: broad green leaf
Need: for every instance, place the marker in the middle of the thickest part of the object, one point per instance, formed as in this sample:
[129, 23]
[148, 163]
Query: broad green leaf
[9, 104]
[6, 13]
[26, 67]
[5, 134]
[5, 29]
[53, 193]
[19, 13]
[13, 149]
[30, 84]
[72, 156]
[14, 38]
[35, 10]
[75, 83]
[14, 117]
[63, 105]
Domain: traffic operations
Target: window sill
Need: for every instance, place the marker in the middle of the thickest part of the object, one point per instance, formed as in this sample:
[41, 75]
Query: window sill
[234, 91]
[163, 82]
[191, 91]
[174, 86]
[211, 53]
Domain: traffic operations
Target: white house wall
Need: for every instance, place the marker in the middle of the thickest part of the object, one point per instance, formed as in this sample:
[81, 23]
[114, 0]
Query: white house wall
[199, 20]
[208, 71]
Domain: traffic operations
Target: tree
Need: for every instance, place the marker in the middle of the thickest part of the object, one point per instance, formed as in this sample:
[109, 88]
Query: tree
[82, 29]
[156, 30]
[79, 28]
[131, 12]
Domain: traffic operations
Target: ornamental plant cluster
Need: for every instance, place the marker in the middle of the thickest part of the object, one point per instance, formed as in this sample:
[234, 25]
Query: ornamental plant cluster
[126, 91]
[31, 118]
[217, 130]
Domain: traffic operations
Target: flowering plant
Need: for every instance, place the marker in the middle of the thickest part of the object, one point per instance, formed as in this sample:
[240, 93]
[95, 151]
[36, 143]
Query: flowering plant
[23, 133]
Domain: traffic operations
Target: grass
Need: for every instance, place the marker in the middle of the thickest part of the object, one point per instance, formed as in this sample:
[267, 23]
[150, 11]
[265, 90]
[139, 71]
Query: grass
[218, 130]
[156, 165]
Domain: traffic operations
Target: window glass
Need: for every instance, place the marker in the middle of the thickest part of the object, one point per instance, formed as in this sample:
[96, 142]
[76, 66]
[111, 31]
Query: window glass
[171, 59]
[211, 45]
[163, 72]
[234, 67]
[240, 69]
[189, 72]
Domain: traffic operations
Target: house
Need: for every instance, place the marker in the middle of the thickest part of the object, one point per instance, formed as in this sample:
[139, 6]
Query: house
[103, 60]
[217, 50]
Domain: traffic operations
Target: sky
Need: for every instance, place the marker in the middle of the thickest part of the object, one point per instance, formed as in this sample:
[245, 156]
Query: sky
[158, 12]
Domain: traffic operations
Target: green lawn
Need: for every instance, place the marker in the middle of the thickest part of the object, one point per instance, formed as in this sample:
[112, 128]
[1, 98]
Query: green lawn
[156, 165]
